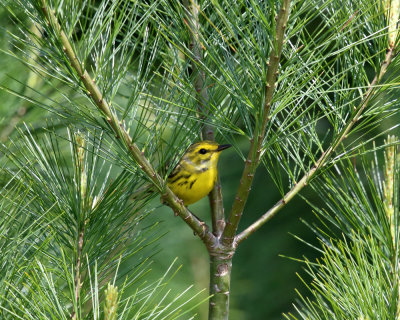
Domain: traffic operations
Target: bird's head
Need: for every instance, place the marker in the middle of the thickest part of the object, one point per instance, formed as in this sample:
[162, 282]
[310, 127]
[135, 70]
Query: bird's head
[204, 154]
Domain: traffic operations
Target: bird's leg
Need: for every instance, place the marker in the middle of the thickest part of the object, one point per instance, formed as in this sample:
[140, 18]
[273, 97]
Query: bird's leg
[203, 224]
[163, 197]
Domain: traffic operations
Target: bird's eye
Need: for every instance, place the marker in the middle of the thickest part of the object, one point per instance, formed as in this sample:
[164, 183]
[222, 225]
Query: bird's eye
[202, 151]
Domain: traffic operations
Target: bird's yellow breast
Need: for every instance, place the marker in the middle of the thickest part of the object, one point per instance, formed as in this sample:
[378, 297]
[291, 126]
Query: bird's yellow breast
[196, 173]
[192, 186]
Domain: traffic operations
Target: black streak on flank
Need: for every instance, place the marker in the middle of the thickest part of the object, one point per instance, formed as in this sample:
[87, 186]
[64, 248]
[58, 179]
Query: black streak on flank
[175, 172]
[182, 183]
[192, 183]
[183, 176]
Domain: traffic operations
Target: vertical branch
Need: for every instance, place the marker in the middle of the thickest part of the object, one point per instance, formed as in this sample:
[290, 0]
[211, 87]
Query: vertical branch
[389, 186]
[388, 183]
[392, 11]
[253, 158]
[220, 287]
[192, 18]
[81, 179]
[78, 282]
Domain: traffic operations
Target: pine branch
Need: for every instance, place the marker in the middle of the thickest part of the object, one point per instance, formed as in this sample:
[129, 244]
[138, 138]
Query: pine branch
[78, 282]
[215, 197]
[118, 128]
[253, 158]
[81, 178]
[325, 155]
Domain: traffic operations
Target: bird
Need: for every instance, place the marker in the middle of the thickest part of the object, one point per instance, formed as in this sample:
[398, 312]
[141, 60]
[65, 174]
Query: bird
[196, 173]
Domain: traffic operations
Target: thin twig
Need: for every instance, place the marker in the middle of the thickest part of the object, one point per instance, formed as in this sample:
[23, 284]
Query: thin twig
[348, 21]
[120, 132]
[253, 158]
[78, 270]
[215, 196]
[323, 158]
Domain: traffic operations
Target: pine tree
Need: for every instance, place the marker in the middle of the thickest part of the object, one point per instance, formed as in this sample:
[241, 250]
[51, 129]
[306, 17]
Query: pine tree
[128, 85]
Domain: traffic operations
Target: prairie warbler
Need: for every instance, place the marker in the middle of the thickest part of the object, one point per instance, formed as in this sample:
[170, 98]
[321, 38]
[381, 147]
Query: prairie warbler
[196, 173]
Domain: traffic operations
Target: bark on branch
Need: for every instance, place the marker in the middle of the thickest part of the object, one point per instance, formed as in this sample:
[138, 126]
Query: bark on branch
[253, 158]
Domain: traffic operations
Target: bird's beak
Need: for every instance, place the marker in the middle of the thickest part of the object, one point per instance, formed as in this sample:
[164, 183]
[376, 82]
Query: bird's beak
[223, 147]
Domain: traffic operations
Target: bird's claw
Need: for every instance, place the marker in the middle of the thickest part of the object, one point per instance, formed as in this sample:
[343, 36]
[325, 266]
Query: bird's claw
[204, 227]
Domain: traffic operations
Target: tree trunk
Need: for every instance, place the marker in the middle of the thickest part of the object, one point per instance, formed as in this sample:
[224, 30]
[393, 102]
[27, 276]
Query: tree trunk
[220, 278]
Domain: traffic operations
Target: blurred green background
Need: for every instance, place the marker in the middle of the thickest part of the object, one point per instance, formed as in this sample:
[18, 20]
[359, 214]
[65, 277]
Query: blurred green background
[263, 282]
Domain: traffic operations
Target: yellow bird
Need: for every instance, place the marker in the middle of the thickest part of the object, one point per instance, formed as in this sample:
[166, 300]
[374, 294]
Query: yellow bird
[196, 173]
